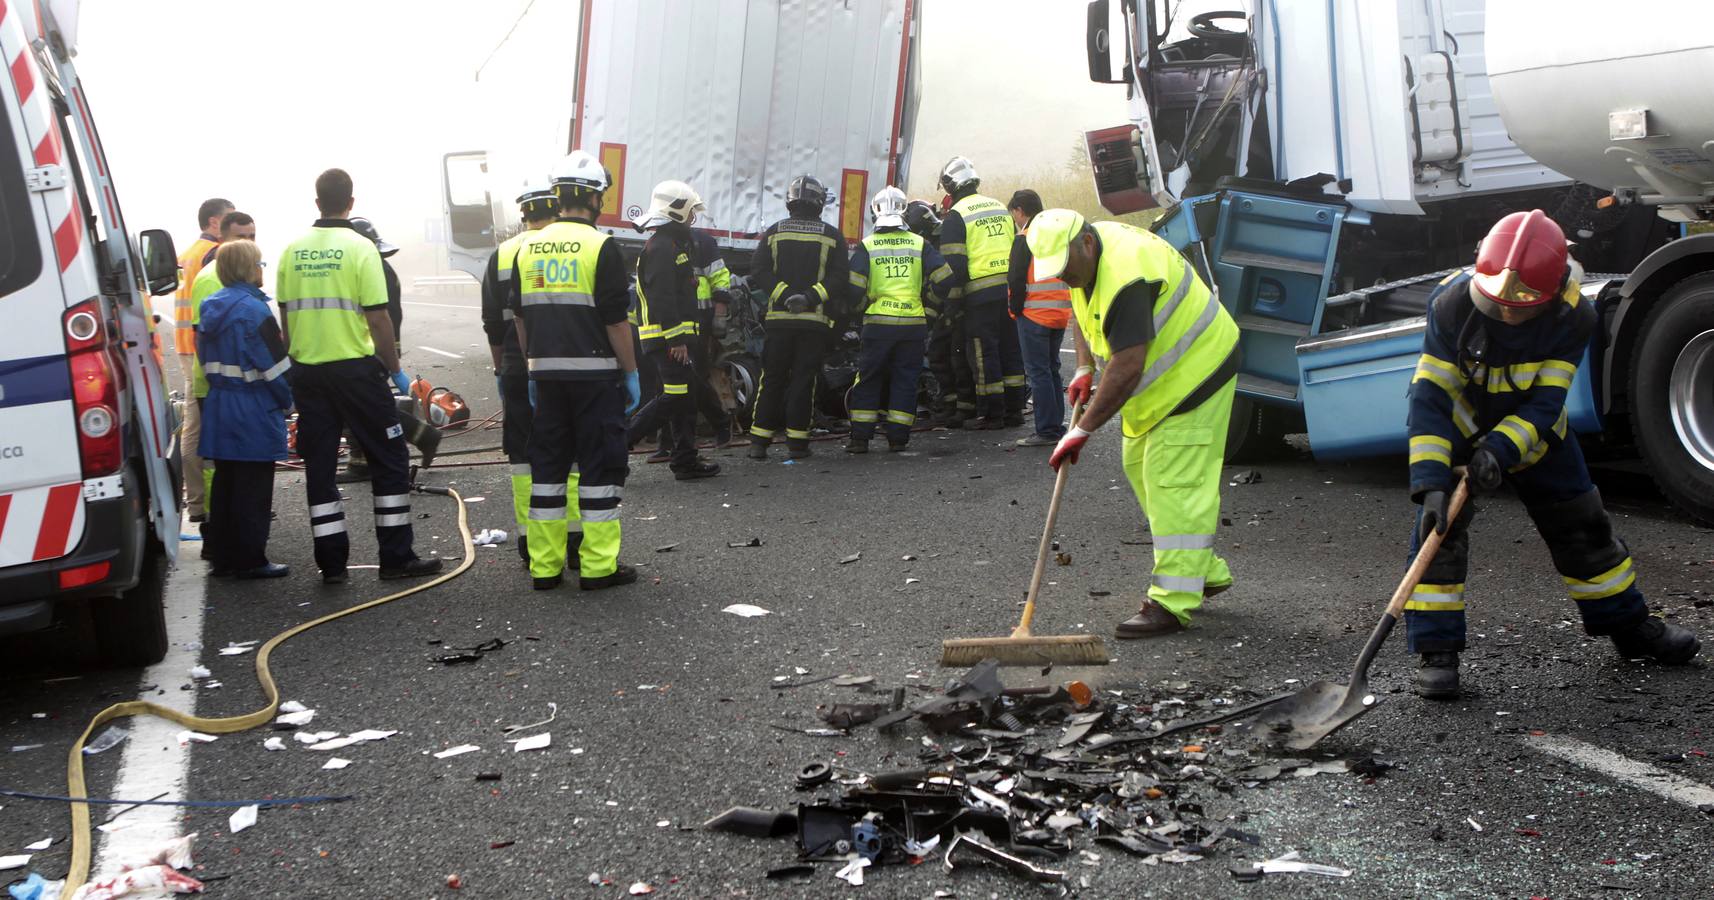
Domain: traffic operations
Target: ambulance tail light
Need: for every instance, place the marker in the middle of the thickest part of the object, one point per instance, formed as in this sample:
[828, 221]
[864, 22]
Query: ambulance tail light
[94, 391]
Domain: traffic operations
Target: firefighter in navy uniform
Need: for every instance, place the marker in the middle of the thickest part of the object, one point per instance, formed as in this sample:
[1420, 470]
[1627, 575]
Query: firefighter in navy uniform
[539, 208]
[667, 317]
[568, 298]
[946, 338]
[334, 299]
[976, 240]
[1498, 359]
[802, 266]
[713, 298]
[893, 272]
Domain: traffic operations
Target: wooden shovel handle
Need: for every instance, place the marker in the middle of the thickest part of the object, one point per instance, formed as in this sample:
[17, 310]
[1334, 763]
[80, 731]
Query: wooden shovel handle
[1023, 629]
[1430, 546]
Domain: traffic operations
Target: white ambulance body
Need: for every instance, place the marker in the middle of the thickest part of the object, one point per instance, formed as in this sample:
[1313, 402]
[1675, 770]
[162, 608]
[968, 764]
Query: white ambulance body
[88, 500]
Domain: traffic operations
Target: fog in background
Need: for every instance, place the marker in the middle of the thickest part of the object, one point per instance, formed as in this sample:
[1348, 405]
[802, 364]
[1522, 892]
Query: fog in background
[251, 100]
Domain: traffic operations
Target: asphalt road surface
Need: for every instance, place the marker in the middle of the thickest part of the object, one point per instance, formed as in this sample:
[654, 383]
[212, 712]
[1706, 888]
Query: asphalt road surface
[1565, 772]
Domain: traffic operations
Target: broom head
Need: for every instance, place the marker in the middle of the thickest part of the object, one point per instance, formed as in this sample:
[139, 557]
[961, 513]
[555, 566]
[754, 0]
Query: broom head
[1063, 649]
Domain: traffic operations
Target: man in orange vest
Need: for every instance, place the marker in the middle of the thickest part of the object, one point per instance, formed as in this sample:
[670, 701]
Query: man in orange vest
[1042, 308]
[208, 217]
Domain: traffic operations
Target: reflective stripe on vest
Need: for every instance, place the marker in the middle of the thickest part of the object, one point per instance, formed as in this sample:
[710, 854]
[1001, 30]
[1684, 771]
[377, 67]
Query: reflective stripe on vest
[326, 281]
[988, 233]
[895, 279]
[1193, 332]
[556, 283]
[1047, 303]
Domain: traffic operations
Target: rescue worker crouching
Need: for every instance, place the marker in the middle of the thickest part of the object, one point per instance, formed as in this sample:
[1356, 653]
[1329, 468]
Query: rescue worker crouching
[976, 240]
[666, 311]
[1498, 358]
[539, 208]
[568, 299]
[947, 359]
[1170, 357]
[893, 272]
[801, 265]
[334, 298]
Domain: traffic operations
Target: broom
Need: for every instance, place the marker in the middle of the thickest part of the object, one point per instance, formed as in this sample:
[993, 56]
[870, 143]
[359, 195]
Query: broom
[1024, 648]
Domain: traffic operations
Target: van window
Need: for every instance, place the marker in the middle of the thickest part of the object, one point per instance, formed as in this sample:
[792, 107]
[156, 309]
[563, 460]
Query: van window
[20, 247]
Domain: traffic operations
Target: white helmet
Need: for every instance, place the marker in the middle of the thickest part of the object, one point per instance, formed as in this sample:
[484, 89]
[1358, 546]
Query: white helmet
[958, 174]
[536, 197]
[672, 201]
[888, 207]
[579, 172]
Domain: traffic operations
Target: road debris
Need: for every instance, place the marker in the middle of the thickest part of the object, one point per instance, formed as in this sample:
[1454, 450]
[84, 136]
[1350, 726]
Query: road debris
[642, 887]
[186, 737]
[1248, 476]
[851, 559]
[17, 861]
[356, 738]
[533, 742]
[175, 854]
[490, 537]
[461, 655]
[748, 611]
[459, 750]
[852, 874]
[314, 737]
[36, 888]
[274, 743]
[666, 548]
[553, 713]
[1287, 864]
[753, 542]
[295, 719]
[336, 763]
[455, 881]
[105, 741]
[200, 672]
[42, 844]
[160, 878]
[242, 818]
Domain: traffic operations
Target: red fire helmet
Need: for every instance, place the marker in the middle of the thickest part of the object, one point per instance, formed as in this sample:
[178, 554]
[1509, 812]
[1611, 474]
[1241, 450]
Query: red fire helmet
[1522, 261]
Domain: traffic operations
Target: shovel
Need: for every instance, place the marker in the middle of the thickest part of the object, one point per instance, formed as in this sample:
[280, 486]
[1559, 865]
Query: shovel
[1300, 720]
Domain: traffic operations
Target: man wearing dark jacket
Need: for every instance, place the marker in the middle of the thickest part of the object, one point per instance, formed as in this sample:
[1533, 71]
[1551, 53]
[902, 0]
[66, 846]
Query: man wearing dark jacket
[802, 267]
[667, 317]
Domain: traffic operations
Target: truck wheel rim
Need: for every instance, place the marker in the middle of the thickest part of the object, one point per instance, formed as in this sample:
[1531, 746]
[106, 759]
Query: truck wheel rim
[1691, 398]
[743, 390]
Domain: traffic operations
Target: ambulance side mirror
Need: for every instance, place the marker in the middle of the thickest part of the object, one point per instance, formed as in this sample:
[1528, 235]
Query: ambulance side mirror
[160, 261]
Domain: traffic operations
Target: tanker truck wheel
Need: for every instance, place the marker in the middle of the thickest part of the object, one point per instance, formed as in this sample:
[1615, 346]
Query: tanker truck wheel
[1255, 434]
[1672, 395]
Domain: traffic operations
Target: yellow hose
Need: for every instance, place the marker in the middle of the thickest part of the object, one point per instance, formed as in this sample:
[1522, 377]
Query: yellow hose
[80, 837]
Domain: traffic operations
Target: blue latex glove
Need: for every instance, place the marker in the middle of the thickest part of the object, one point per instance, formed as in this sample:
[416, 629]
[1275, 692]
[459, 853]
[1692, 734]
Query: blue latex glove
[532, 393]
[634, 388]
[401, 383]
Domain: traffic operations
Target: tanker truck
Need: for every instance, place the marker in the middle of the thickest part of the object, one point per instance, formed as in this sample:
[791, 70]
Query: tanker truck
[1326, 163]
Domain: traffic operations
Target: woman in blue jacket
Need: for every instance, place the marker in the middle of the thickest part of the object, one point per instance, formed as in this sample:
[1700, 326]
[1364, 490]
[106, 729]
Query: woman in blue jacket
[244, 417]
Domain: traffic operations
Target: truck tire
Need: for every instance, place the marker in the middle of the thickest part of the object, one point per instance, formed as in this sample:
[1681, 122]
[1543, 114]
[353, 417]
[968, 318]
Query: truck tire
[1255, 433]
[1672, 395]
[744, 372]
[131, 628]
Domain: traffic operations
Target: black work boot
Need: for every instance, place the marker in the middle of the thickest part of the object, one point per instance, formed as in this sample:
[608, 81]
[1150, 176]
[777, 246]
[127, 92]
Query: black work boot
[1657, 639]
[758, 448]
[1014, 420]
[524, 548]
[857, 445]
[798, 450]
[549, 583]
[1437, 676]
[416, 568]
[702, 468]
[622, 575]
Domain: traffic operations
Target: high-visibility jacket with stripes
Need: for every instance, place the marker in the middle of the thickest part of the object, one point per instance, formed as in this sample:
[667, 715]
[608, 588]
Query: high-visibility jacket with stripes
[1481, 382]
[206, 284]
[1047, 301]
[558, 274]
[713, 279]
[805, 256]
[326, 281]
[190, 265]
[890, 270]
[666, 289]
[976, 240]
[1193, 334]
[497, 317]
[244, 414]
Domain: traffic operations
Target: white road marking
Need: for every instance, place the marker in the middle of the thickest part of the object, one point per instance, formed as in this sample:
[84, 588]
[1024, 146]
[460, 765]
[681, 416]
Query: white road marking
[441, 352]
[1655, 780]
[441, 305]
[153, 762]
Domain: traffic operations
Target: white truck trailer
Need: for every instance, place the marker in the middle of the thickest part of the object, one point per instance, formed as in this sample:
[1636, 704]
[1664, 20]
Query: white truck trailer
[736, 97]
[1326, 162]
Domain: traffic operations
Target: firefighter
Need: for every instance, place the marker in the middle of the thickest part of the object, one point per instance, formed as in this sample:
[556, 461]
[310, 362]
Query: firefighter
[976, 239]
[568, 299]
[1041, 310]
[713, 298]
[946, 357]
[539, 208]
[1169, 353]
[334, 299]
[1498, 359]
[666, 309]
[802, 266]
[356, 467]
[893, 272]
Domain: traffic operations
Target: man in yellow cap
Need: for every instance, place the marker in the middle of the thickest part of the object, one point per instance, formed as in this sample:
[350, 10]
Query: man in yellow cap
[1168, 354]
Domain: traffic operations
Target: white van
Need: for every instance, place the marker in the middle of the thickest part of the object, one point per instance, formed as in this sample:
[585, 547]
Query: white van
[88, 499]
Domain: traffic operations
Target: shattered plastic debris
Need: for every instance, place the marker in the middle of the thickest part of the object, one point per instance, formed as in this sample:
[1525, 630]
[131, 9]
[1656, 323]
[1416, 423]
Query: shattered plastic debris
[105, 741]
[242, 818]
[851, 559]
[292, 706]
[356, 738]
[746, 610]
[1291, 864]
[186, 737]
[36, 888]
[852, 874]
[665, 548]
[642, 887]
[336, 763]
[40, 845]
[314, 737]
[200, 672]
[238, 648]
[174, 854]
[553, 713]
[14, 862]
[152, 877]
[459, 750]
[753, 542]
[470, 654]
[274, 743]
[1248, 476]
[533, 742]
[296, 719]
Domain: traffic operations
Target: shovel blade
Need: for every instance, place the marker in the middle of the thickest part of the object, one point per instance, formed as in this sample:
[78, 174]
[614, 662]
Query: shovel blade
[1302, 719]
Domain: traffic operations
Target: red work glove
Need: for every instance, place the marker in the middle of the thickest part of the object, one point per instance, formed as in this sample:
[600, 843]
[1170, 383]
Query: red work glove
[1081, 388]
[1069, 447]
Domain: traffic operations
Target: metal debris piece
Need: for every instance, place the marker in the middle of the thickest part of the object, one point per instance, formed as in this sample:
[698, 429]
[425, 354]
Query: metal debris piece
[753, 542]
[968, 845]
[553, 713]
[853, 680]
[850, 715]
[1248, 476]
[852, 558]
[666, 548]
[467, 654]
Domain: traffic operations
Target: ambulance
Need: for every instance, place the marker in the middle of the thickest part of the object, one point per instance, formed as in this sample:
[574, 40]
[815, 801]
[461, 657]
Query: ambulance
[89, 515]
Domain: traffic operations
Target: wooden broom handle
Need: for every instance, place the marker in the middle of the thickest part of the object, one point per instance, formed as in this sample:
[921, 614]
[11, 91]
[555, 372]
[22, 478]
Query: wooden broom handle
[1023, 629]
